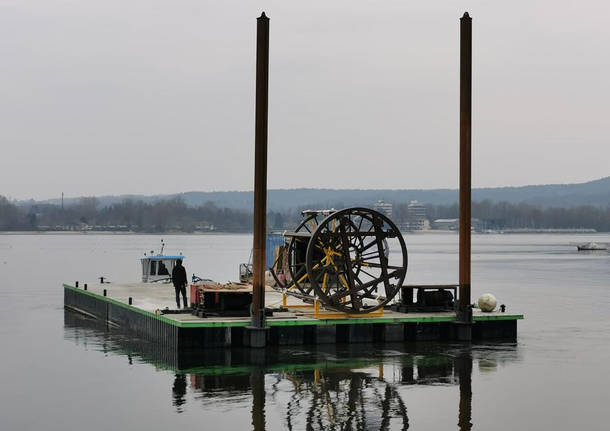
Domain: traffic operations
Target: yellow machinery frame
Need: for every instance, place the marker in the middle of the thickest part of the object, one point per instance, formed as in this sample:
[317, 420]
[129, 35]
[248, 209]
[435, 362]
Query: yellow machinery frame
[321, 313]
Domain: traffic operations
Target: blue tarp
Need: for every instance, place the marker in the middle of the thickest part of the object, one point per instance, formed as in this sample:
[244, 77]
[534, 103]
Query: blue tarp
[273, 240]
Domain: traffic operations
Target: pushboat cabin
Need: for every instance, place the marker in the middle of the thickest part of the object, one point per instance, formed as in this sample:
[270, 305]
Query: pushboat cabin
[158, 267]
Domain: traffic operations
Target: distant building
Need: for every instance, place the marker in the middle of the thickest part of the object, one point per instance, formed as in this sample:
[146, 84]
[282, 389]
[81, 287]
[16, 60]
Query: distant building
[446, 224]
[416, 216]
[384, 208]
[454, 224]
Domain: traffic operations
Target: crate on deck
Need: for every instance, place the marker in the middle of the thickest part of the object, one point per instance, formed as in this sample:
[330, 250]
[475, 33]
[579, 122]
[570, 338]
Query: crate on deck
[230, 299]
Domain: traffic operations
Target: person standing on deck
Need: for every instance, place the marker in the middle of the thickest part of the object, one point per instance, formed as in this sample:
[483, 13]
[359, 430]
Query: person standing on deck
[179, 280]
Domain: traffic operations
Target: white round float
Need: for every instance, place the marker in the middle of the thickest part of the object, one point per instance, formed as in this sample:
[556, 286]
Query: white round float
[487, 302]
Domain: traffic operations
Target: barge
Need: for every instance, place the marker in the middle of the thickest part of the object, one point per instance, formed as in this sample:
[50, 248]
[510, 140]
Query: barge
[140, 309]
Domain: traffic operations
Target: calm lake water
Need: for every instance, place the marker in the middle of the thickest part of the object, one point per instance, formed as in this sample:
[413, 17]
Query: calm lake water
[63, 372]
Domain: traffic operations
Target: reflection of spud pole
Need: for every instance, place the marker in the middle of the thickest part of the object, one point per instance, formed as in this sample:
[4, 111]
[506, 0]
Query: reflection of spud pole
[464, 310]
[257, 336]
[257, 382]
[463, 365]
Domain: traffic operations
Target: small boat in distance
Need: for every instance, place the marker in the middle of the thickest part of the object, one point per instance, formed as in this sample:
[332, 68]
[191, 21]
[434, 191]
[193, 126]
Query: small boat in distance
[591, 246]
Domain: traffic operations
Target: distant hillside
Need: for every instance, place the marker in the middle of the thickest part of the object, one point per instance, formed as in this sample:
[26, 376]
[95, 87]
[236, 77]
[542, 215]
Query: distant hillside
[596, 193]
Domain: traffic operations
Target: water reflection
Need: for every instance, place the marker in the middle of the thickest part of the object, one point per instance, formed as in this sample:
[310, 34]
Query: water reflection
[342, 399]
[350, 387]
[463, 365]
[179, 391]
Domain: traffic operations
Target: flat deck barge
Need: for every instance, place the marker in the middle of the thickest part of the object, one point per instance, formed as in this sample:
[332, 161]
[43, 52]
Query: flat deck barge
[138, 309]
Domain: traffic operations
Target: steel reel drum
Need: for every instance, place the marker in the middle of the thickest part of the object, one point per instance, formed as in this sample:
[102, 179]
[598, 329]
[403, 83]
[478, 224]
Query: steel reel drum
[342, 258]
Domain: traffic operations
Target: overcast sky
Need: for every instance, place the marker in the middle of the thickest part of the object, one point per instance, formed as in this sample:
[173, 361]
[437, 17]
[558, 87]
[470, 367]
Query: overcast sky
[113, 97]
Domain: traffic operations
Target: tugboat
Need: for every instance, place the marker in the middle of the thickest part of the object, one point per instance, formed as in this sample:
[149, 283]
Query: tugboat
[157, 268]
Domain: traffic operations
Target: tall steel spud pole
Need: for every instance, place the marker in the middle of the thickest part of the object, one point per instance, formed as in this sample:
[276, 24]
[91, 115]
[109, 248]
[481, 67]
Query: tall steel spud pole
[464, 311]
[260, 171]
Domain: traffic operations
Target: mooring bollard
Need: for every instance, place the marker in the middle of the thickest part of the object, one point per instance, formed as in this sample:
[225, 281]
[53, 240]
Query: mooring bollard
[76, 284]
[130, 300]
[85, 286]
[502, 308]
[105, 292]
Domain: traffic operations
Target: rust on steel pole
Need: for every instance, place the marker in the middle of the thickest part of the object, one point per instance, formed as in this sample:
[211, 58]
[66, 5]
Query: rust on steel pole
[260, 171]
[465, 162]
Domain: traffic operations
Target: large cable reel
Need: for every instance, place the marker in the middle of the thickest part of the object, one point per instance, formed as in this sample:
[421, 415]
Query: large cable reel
[342, 258]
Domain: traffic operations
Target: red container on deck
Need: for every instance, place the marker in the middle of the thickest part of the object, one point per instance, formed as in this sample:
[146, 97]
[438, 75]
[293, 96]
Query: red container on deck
[196, 295]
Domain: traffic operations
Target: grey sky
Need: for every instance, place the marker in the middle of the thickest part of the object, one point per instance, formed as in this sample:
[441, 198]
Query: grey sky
[111, 97]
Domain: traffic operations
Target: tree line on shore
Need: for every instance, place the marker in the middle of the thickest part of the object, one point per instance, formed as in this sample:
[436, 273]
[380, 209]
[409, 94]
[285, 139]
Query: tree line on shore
[175, 215]
[505, 215]
[129, 215]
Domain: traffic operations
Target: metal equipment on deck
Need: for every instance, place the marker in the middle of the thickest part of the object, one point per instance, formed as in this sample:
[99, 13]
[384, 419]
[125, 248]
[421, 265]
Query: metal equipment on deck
[342, 258]
[430, 298]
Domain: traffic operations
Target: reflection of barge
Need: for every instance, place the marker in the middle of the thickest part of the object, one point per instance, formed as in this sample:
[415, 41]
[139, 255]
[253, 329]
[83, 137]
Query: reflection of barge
[326, 385]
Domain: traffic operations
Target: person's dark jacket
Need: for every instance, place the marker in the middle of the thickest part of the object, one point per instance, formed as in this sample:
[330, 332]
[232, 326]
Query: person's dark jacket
[179, 276]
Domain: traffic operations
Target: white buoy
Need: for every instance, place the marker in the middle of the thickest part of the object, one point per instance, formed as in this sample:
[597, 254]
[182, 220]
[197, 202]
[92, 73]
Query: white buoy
[487, 302]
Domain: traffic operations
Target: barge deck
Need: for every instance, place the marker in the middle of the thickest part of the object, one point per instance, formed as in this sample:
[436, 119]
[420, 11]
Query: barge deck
[138, 309]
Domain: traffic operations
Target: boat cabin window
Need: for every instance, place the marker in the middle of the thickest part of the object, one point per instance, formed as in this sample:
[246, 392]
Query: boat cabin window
[162, 269]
